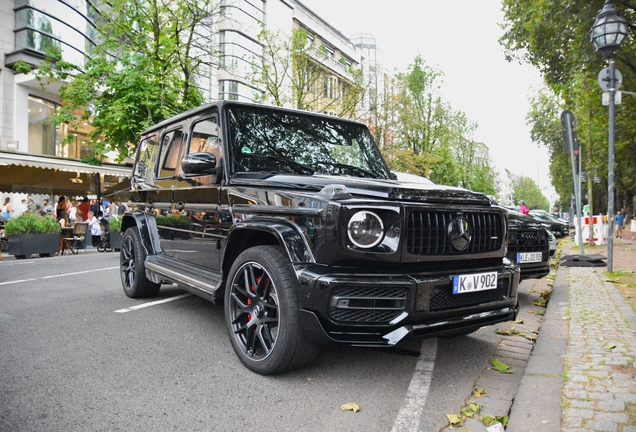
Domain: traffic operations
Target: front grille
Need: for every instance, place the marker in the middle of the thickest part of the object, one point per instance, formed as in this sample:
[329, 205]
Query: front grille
[427, 233]
[367, 305]
[443, 297]
[528, 241]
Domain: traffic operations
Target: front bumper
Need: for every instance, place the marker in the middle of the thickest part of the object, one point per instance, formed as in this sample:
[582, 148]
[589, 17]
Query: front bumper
[382, 309]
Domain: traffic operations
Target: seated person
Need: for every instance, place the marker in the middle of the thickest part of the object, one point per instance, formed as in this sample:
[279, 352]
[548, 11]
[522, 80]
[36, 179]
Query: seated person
[95, 228]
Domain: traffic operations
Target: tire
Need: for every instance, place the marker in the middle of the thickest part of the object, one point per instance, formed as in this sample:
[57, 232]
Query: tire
[132, 269]
[261, 313]
[45, 255]
[22, 256]
[100, 247]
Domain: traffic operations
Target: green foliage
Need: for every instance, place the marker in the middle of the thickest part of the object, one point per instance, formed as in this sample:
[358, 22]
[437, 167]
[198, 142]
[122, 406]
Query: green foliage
[554, 37]
[290, 72]
[115, 223]
[31, 223]
[430, 138]
[142, 71]
[524, 188]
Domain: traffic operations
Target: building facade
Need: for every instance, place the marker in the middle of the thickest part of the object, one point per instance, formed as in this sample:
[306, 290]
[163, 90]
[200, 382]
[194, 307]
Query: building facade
[28, 28]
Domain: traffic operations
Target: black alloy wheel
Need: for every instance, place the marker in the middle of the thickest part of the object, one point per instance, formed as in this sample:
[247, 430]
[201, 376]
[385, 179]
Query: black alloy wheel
[131, 264]
[261, 309]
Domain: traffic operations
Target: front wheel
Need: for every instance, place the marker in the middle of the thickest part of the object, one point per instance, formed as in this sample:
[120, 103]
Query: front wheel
[132, 269]
[262, 313]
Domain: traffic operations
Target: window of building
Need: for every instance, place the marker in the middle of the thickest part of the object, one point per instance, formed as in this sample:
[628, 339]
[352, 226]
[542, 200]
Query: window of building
[44, 24]
[234, 90]
[249, 12]
[238, 52]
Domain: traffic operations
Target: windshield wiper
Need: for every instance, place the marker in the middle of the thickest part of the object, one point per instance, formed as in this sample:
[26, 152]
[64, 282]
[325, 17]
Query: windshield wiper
[346, 169]
[298, 167]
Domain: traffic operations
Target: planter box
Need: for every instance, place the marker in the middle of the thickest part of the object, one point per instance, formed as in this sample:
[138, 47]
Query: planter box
[115, 240]
[25, 245]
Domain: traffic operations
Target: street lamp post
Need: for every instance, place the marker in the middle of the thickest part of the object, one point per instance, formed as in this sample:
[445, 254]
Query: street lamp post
[606, 36]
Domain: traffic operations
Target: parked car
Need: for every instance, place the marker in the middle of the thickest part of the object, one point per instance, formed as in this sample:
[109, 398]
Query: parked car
[554, 243]
[559, 227]
[293, 221]
[528, 245]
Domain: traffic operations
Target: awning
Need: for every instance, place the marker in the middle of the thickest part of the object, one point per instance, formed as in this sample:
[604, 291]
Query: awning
[21, 172]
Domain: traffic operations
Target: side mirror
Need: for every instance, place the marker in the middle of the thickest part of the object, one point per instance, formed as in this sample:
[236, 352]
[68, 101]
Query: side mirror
[199, 163]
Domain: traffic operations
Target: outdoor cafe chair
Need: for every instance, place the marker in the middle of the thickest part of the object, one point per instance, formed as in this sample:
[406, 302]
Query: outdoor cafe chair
[77, 240]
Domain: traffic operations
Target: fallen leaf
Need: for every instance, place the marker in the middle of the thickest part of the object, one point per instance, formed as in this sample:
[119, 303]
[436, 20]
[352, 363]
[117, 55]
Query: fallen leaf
[489, 420]
[478, 392]
[474, 407]
[508, 332]
[518, 321]
[467, 413]
[454, 420]
[350, 407]
[501, 366]
[612, 346]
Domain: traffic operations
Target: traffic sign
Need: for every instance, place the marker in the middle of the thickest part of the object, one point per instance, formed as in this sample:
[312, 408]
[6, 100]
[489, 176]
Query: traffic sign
[604, 79]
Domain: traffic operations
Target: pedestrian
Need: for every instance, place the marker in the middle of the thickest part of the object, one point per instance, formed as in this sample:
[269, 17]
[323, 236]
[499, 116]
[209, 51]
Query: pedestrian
[72, 213]
[632, 227]
[47, 208]
[522, 207]
[7, 210]
[60, 209]
[83, 208]
[95, 227]
[619, 219]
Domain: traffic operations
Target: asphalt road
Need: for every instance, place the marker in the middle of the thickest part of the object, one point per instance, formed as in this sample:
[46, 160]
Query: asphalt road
[76, 354]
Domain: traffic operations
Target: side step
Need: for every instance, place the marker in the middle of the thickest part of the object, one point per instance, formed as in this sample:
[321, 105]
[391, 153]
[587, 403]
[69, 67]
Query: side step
[204, 283]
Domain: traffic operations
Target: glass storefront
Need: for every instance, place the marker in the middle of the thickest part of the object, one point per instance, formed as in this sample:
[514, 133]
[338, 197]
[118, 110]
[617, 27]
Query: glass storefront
[47, 139]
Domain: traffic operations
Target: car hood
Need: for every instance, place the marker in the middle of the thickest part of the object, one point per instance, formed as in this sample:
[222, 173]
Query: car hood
[519, 221]
[363, 187]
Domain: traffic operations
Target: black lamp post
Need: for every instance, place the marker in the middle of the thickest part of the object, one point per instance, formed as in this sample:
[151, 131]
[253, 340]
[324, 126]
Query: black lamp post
[606, 35]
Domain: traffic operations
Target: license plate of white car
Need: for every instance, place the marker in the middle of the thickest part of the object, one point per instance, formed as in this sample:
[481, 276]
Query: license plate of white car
[528, 257]
[474, 282]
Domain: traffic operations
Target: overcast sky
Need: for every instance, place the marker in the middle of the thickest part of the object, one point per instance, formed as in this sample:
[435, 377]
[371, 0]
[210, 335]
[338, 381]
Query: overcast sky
[460, 39]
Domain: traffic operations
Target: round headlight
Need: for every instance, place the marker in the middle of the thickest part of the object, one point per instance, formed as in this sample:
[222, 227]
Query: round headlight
[365, 229]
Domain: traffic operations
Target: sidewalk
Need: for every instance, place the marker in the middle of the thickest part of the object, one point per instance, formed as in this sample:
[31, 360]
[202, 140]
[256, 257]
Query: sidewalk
[581, 374]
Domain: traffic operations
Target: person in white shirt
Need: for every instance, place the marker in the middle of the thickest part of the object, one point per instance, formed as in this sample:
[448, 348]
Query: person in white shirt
[95, 228]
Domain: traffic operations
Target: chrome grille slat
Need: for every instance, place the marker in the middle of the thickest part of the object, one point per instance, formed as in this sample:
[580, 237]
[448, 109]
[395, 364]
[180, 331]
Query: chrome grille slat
[426, 232]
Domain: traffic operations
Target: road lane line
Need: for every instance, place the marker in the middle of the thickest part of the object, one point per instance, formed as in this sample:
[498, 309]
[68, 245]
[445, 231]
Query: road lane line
[409, 416]
[57, 276]
[155, 303]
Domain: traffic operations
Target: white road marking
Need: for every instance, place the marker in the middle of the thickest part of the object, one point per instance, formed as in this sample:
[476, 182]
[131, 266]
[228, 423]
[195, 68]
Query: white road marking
[408, 418]
[155, 303]
[57, 276]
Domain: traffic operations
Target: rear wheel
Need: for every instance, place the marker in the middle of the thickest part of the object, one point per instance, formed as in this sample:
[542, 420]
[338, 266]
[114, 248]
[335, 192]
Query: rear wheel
[261, 313]
[132, 269]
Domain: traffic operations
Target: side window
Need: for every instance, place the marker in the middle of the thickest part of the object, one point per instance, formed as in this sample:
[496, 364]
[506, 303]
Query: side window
[205, 138]
[170, 149]
[147, 153]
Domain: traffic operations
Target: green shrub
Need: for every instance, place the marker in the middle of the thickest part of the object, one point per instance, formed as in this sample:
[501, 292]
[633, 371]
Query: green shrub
[31, 223]
[115, 223]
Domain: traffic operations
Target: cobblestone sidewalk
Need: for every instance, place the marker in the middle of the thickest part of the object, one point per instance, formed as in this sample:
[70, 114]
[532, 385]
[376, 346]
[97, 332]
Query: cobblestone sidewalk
[599, 392]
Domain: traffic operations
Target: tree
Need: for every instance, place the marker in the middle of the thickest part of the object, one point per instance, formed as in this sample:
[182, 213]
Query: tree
[554, 37]
[292, 72]
[524, 188]
[142, 71]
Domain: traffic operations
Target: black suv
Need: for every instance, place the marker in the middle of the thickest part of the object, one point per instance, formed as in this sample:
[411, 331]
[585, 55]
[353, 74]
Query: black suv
[293, 220]
[528, 245]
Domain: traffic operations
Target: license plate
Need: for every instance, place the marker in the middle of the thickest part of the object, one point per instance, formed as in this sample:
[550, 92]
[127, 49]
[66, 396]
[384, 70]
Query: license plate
[474, 282]
[529, 257]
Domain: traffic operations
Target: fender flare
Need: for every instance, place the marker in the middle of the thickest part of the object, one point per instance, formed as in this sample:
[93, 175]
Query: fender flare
[288, 235]
[147, 227]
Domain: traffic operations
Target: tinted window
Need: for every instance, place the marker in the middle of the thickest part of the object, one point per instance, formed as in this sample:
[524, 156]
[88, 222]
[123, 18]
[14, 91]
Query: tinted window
[170, 149]
[261, 139]
[147, 153]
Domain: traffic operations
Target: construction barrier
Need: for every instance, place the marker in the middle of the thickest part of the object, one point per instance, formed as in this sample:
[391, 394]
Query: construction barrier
[600, 230]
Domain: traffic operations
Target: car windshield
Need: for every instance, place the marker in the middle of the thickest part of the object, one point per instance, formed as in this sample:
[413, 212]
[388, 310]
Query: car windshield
[264, 140]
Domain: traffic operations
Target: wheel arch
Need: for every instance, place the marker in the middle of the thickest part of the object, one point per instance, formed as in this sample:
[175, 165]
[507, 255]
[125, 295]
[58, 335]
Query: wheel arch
[146, 226]
[267, 232]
